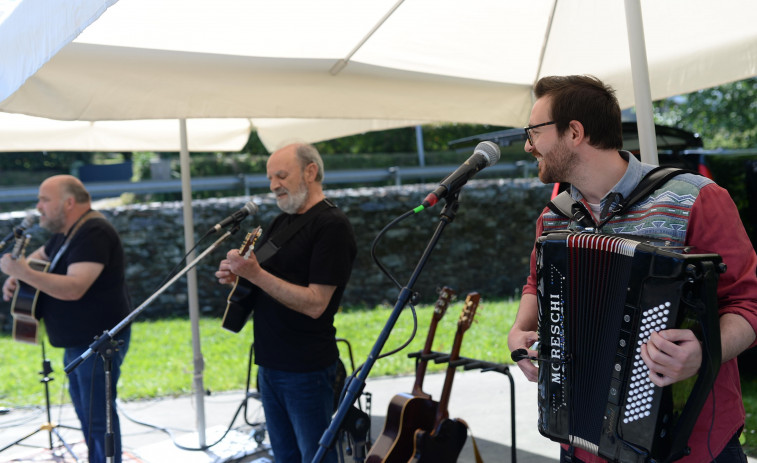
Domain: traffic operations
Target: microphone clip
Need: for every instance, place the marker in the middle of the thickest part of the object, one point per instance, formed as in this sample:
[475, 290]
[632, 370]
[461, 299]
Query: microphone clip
[522, 354]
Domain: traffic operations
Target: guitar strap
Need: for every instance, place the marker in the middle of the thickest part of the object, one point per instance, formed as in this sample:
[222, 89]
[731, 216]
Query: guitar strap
[274, 243]
[91, 214]
[476, 453]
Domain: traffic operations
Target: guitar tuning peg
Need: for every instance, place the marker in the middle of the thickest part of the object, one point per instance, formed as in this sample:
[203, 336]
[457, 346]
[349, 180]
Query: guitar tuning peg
[20, 245]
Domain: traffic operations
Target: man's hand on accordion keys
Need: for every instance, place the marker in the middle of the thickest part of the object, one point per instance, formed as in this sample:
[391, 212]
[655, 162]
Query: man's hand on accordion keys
[672, 355]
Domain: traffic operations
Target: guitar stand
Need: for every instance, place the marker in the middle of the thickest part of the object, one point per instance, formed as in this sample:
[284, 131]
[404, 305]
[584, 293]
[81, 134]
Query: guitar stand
[356, 385]
[472, 364]
[49, 426]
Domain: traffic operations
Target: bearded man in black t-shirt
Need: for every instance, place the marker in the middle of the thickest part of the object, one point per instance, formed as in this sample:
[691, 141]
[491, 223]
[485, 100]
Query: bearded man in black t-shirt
[301, 286]
[82, 294]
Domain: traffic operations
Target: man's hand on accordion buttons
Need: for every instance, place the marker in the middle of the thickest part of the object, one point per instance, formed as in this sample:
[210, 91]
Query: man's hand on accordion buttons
[672, 356]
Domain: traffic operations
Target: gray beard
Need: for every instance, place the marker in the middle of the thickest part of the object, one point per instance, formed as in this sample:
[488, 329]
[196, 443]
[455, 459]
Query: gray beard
[294, 201]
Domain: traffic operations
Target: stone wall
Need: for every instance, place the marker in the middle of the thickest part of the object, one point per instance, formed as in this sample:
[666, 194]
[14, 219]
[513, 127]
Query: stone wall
[485, 248]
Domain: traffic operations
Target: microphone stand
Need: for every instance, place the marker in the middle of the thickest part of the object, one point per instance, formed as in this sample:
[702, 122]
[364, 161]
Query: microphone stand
[357, 384]
[106, 346]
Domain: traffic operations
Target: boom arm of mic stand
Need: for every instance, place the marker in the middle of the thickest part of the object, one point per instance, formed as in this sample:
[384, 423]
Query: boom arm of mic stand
[108, 335]
[357, 384]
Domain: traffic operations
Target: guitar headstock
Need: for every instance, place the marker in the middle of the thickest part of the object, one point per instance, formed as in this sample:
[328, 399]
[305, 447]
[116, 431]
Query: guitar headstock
[446, 294]
[19, 247]
[249, 242]
[469, 310]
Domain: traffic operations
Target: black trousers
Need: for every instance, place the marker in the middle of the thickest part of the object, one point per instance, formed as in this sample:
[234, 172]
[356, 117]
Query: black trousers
[732, 453]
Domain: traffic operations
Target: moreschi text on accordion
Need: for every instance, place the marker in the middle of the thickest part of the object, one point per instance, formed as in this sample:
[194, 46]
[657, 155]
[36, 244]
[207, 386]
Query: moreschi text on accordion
[600, 297]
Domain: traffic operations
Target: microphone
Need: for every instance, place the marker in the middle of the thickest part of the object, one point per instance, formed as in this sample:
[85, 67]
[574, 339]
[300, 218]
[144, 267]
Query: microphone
[520, 354]
[19, 230]
[486, 154]
[248, 209]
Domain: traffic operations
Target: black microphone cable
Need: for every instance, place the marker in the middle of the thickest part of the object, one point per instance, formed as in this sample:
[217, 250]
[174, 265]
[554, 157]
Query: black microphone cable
[386, 272]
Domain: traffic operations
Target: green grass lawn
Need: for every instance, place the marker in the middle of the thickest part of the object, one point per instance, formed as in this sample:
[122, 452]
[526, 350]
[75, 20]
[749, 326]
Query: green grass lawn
[160, 360]
[160, 363]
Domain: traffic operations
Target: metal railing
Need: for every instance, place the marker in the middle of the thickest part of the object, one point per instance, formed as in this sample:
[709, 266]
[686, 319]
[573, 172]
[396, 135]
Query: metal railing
[396, 175]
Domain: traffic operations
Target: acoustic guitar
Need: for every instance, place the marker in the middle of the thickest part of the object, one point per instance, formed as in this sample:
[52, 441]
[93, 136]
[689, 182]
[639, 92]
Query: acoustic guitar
[24, 304]
[238, 307]
[408, 412]
[447, 437]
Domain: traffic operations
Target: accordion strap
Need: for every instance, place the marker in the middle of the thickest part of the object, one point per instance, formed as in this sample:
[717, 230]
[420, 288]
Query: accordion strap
[564, 205]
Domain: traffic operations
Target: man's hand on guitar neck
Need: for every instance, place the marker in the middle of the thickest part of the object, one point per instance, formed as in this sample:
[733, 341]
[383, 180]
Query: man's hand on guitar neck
[11, 268]
[247, 268]
[310, 300]
[236, 265]
[15, 269]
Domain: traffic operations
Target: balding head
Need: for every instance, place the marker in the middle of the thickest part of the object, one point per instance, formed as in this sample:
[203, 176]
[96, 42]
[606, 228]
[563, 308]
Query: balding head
[305, 154]
[68, 186]
[62, 201]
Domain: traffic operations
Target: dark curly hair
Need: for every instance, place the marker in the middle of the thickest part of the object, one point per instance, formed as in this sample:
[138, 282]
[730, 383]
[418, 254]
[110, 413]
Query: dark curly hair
[588, 100]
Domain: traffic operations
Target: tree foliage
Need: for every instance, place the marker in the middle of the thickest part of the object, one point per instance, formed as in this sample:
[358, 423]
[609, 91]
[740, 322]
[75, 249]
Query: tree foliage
[402, 140]
[725, 116]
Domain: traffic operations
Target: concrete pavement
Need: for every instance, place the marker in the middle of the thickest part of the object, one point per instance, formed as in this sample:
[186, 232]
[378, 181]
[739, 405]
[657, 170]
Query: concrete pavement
[480, 398]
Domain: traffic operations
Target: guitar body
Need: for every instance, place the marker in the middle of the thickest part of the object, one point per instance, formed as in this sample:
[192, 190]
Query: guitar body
[23, 307]
[446, 439]
[406, 413]
[443, 445]
[239, 305]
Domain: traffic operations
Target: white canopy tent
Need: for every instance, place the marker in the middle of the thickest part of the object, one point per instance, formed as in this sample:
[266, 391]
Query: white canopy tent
[416, 60]
[385, 60]
[28, 133]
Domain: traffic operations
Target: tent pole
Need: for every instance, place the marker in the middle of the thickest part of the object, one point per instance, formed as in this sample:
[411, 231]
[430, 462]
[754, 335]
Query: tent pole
[641, 90]
[419, 144]
[194, 306]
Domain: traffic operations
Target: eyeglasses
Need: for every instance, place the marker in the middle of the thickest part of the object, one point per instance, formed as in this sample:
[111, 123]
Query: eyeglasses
[531, 127]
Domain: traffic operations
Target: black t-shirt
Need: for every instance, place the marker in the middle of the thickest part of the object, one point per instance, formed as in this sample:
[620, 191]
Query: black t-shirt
[321, 252]
[105, 304]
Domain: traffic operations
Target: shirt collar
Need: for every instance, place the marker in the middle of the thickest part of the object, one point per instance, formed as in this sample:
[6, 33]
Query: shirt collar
[627, 183]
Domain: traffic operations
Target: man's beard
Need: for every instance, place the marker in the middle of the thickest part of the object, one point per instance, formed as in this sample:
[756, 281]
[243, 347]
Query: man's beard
[53, 224]
[558, 164]
[294, 200]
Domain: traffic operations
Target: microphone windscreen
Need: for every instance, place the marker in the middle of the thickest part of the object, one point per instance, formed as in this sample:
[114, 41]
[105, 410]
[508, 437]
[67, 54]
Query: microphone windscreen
[489, 150]
[251, 208]
[28, 220]
[519, 354]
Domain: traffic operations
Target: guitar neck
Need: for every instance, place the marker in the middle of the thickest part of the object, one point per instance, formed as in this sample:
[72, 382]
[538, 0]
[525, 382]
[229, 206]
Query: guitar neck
[466, 318]
[420, 370]
[442, 413]
[445, 296]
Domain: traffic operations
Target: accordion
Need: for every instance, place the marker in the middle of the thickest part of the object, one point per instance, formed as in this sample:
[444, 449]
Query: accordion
[600, 297]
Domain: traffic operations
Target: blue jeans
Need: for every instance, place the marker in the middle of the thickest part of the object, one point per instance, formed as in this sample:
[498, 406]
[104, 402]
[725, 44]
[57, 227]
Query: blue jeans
[87, 390]
[298, 409]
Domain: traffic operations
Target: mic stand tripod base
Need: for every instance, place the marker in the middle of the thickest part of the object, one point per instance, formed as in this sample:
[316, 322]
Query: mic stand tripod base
[49, 427]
